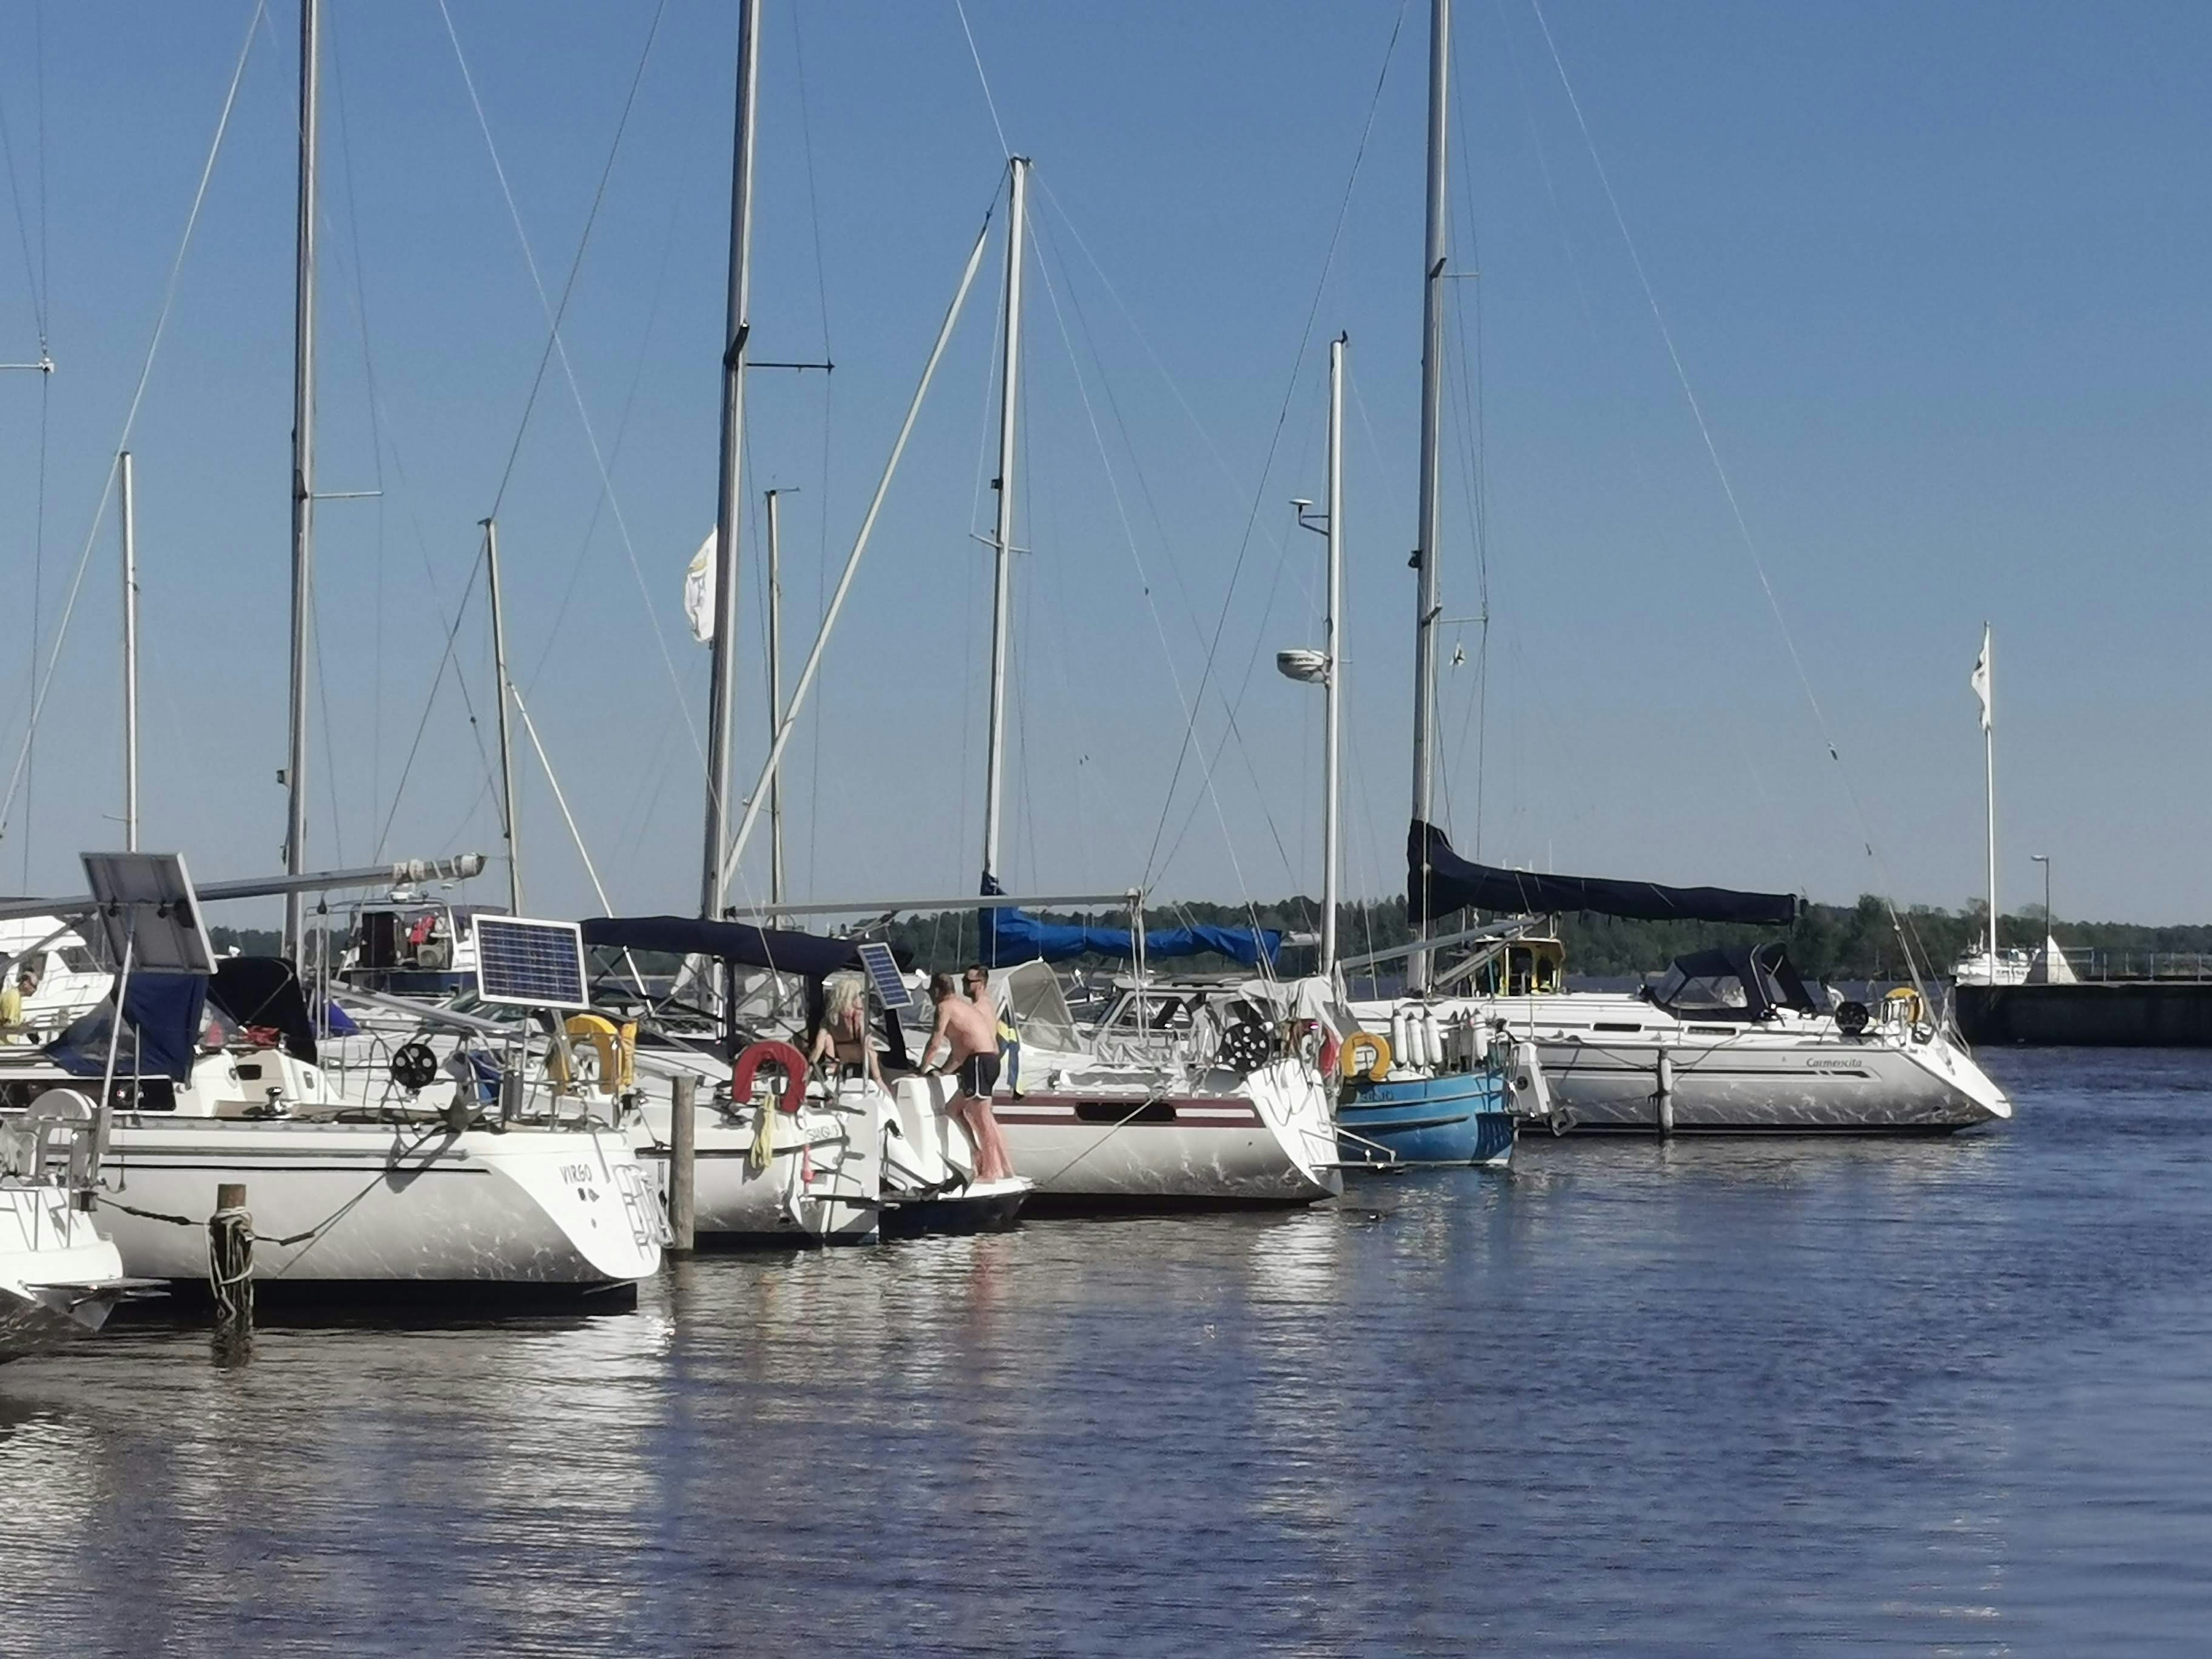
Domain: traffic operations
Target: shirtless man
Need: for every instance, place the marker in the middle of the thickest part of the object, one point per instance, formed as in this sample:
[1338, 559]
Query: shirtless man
[971, 1045]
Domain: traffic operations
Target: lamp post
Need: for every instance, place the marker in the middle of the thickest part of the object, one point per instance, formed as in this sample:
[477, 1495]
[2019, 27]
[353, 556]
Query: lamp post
[2044, 858]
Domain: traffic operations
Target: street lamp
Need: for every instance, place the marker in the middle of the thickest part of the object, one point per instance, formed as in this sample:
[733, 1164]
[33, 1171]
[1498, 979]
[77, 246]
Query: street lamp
[2044, 858]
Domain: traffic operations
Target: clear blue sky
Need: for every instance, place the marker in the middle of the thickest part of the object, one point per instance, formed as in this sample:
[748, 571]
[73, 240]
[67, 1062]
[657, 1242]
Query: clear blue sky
[1935, 273]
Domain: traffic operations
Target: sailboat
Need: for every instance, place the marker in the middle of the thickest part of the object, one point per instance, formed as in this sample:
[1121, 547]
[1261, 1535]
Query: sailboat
[1420, 1089]
[1730, 1040]
[1237, 1123]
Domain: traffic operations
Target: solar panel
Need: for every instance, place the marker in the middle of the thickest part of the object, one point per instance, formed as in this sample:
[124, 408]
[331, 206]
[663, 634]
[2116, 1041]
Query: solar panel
[531, 964]
[146, 900]
[884, 975]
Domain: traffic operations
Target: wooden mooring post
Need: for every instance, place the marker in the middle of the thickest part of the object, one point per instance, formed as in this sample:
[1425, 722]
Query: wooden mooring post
[230, 1258]
[682, 1134]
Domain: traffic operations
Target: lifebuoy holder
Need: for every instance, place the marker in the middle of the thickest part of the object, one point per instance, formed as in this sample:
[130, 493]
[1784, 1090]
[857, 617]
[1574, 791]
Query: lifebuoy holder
[781, 1055]
[1347, 1056]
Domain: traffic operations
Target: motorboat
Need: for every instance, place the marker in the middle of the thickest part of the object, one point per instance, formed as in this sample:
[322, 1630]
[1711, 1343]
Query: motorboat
[412, 944]
[60, 1277]
[66, 977]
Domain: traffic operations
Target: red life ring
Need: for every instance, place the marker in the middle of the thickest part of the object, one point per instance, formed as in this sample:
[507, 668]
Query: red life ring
[781, 1055]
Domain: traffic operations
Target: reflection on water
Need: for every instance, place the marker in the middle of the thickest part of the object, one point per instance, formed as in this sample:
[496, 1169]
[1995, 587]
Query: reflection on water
[1752, 1395]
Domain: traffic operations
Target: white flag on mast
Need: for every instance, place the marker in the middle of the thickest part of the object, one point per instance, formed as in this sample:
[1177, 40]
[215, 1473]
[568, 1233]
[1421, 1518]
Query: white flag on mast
[1979, 679]
[699, 594]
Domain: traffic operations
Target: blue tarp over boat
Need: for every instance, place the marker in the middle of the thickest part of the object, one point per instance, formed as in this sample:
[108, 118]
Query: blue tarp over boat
[1006, 936]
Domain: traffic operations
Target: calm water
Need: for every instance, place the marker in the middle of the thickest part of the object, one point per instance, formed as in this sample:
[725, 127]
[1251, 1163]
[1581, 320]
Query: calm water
[1951, 1395]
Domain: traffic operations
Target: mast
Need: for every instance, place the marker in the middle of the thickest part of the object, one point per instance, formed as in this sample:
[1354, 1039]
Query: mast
[1990, 785]
[1002, 538]
[1427, 548]
[1332, 641]
[505, 739]
[774, 696]
[722, 692]
[303, 478]
[129, 507]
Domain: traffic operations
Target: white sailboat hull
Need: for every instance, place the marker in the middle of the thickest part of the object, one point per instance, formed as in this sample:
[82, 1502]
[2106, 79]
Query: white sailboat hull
[1797, 1075]
[356, 1203]
[1108, 1138]
[818, 1186]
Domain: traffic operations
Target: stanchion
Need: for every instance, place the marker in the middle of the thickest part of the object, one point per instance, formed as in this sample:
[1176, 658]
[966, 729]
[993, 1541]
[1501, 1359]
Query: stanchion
[683, 1126]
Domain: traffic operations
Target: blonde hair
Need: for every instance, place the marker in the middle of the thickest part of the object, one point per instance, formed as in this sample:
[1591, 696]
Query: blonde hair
[842, 995]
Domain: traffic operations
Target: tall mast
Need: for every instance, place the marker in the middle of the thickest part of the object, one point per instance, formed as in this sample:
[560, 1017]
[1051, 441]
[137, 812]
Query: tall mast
[722, 693]
[1989, 781]
[130, 516]
[1427, 548]
[1333, 642]
[506, 737]
[775, 695]
[1002, 538]
[303, 478]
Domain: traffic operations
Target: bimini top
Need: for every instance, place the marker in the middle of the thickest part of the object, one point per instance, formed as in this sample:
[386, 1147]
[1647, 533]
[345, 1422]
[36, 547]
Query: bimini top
[778, 949]
[1008, 937]
[1438, 881]
[1733, 983]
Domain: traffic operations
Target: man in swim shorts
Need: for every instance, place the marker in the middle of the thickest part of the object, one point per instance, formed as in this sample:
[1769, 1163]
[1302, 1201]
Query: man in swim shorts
[969, 1038]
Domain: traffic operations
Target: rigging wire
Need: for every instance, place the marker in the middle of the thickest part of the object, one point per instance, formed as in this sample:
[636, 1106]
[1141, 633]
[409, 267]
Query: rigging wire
[983, 79]
[1727, 490]
[1144, 581]
[137, 396]
[1274, 441]
[376, 441]
[558, 348]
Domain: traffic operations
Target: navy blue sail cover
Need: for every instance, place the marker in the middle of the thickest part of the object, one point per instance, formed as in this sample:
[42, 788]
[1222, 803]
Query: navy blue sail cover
[1009, 936]
[161, 1018]
[1438, 882]
[776, 948]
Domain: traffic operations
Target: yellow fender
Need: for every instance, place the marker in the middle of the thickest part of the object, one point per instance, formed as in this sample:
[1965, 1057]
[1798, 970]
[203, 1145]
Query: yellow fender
[615, 1048]
[1347, 1056]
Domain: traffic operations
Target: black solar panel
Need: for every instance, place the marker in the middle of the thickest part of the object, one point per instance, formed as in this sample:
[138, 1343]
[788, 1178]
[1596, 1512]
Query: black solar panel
[884, 975]
[531, 964]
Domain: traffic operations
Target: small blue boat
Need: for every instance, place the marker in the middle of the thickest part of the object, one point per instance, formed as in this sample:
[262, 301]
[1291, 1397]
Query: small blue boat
[1452, 1117]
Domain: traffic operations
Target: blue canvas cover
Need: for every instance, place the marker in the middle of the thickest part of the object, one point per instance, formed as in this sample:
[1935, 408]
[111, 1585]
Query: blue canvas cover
[1006, 936]
[164, 1012]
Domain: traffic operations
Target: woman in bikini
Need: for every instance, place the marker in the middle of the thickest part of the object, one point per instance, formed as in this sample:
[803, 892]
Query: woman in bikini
[841, 1039]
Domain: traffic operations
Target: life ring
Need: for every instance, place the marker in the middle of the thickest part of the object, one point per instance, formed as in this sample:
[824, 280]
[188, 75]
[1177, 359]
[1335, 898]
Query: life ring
[1347, 1057]
[1908, 1005]
[600, 1032]
[781, 1055]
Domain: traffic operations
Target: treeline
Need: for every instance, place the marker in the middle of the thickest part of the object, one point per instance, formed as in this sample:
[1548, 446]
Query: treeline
[1828, 941]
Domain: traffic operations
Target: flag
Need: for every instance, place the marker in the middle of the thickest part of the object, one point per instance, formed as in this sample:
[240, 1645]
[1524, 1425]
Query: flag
[1979, 679]
[699, 592]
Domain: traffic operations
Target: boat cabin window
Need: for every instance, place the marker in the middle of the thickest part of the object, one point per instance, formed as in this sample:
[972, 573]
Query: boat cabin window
[1155, 1012]
[1707, 996]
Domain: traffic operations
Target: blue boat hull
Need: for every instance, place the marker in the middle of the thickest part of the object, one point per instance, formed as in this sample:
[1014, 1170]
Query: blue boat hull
[1459, 1118]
